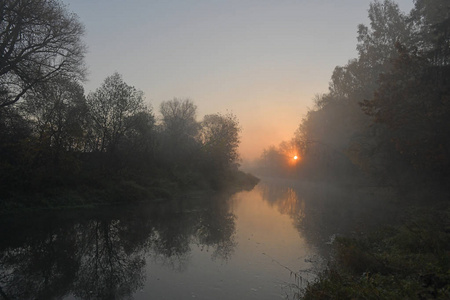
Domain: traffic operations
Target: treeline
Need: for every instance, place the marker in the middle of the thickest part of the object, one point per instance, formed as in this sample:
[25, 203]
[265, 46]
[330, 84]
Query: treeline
[58, 143]
[387, 112]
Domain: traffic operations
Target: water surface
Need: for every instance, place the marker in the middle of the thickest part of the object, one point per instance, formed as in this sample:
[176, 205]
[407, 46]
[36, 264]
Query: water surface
[241, 246]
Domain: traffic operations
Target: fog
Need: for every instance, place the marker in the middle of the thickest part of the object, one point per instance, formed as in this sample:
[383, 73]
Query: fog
[238, 150]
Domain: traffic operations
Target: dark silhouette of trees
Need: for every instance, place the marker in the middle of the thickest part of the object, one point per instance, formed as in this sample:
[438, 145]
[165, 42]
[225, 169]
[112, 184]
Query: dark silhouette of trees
[179, 118]
[57, 112]
[337, 124]
[220, 138]
[39, 40]
[58, 140]
[409, 107]
[111, 108]
[179, 130]
[386, 111]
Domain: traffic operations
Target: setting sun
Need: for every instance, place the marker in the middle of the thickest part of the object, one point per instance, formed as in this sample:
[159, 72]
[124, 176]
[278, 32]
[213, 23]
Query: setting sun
[295, 157]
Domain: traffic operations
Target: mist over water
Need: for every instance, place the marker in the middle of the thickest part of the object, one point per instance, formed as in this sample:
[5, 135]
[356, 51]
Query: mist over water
[240, 246]
[128, 192]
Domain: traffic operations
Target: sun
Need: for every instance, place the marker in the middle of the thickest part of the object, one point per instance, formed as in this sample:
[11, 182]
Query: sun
[295, 157]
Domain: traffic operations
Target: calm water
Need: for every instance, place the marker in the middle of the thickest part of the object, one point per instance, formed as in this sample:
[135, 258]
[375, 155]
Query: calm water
[241, 246]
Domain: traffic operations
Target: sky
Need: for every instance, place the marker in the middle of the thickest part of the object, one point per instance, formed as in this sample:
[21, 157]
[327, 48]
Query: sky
[262, 60]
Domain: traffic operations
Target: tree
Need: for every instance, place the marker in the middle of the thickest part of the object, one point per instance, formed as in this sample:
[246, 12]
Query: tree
[337, 123]
[58, 110]
[179, 130]
[413, 105]
[376, 44]
[39, 39]
[15, 132]
[220, 138]
[179, 117]
[110, 107]
[431, 19]
[140, 135]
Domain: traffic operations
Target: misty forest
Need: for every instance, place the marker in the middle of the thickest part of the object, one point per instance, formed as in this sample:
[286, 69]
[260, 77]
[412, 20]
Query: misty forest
[103, 196]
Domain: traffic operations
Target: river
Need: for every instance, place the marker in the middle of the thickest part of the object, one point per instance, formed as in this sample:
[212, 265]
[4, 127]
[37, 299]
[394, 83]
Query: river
[256, 244]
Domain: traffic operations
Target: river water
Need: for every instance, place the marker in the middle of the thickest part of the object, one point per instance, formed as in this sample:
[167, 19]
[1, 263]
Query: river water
[256, 244]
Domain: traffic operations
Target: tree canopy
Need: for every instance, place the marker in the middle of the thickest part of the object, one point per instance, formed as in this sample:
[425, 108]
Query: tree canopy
[39, 40]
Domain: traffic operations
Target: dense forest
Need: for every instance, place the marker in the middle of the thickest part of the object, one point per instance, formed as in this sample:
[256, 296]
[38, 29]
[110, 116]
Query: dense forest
[385, 121]
[61, 147]
[386, 114]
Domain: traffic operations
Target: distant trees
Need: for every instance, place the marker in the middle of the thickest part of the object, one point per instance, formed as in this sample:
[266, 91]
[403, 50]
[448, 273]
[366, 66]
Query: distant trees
[39, 40]
[190, 146]
[179, 130]
[179, 118]
[220, 139]
[386, 111]
[337, 122]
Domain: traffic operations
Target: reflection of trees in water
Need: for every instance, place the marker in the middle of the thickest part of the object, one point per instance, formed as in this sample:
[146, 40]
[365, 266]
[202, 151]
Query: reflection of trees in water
[320, 210]
[169, 242]
[216, 229]
[103, 257]
[284, 198]
[37, 269]
[109, 267]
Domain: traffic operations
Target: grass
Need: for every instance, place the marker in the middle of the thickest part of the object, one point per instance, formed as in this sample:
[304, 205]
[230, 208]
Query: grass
[411, 261]
[94, 190]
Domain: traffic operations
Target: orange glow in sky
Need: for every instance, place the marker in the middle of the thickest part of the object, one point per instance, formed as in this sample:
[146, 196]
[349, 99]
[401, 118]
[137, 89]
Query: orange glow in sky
[256, 59]
[293, 160]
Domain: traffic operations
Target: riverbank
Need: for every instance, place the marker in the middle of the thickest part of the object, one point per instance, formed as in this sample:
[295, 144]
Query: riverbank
[92, 192]
[409, 261]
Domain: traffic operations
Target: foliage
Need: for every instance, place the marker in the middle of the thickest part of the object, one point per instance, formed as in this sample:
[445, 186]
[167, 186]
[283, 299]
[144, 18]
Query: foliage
[413, 104]
[110, 107]
[179, 130]
[220, 138]
[406, 262]
[60, 148]
[386, 112]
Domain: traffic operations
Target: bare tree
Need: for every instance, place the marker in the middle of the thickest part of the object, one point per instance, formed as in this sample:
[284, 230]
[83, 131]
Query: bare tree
[39, 39]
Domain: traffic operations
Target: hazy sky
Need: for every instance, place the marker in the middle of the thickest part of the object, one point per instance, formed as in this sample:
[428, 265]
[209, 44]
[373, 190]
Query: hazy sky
[262, 60]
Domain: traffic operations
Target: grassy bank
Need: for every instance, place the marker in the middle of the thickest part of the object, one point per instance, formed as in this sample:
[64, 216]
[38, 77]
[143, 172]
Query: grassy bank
[95, 191]
[410, 261]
